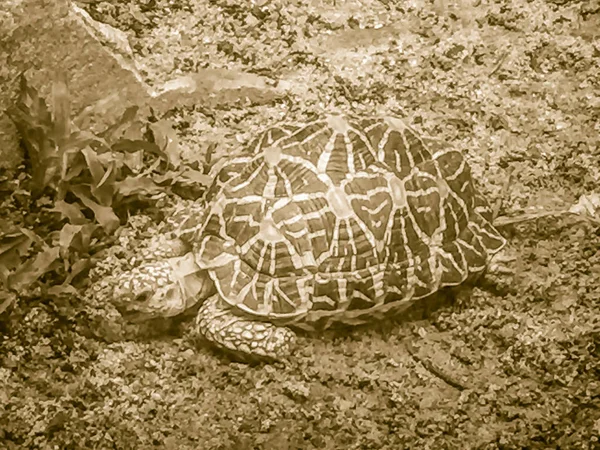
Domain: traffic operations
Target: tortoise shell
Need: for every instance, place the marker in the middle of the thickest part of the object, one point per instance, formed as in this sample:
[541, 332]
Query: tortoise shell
[340, 220]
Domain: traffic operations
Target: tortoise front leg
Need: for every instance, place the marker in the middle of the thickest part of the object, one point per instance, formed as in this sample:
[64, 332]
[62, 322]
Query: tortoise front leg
[245, 338]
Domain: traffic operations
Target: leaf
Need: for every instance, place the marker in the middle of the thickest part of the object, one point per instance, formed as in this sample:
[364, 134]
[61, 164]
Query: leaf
[12, 248]
[74, 164]
[170, 176]
[197, 177]
[86, 236]
[62, 289]
[34, 123]
[81, 139]
[167, 140]
[186, 176]
[134, 161]
[94, 165]
[31, 133]
[61, 108]
[115, 129]
[35, 105]
[4, 274]
[18, 242]
[29, 272]
[67, 235]
[134, 131]
[103, 180]
[70, 211]
[78, 267]
[34, 138]
[31, 235]
[6, 299]
[138, 185]
[104, 214]
[76, 237]
[130, 146]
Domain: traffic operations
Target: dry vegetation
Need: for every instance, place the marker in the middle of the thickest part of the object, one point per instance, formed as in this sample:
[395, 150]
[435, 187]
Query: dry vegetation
[513, 83]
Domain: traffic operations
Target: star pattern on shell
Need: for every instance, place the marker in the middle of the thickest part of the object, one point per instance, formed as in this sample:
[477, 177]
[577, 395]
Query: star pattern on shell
[339, 220]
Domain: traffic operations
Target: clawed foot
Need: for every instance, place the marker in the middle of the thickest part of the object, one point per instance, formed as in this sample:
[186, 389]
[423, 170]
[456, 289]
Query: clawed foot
[245, 339]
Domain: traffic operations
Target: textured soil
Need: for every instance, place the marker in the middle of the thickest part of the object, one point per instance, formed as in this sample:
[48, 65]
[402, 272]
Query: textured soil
[516, 85]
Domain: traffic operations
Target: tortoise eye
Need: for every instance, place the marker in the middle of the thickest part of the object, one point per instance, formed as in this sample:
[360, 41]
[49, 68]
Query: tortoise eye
[142, 298]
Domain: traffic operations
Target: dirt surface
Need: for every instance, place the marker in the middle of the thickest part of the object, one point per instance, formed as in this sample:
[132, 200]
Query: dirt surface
[516, 85]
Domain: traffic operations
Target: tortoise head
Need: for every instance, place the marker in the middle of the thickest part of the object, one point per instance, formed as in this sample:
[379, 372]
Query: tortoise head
[164, 288]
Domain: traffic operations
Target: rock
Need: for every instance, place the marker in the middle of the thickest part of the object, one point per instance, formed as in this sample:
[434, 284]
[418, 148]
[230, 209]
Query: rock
[214, 88]
[42, 38]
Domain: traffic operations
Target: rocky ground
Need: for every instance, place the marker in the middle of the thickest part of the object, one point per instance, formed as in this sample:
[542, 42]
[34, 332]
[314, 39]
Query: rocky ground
[516, 85]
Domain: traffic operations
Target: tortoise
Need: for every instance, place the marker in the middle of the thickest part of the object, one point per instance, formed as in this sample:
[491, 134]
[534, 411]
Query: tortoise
[340, 220]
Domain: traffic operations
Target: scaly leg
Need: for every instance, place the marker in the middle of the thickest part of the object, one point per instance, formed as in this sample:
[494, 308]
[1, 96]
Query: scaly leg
[245, 338]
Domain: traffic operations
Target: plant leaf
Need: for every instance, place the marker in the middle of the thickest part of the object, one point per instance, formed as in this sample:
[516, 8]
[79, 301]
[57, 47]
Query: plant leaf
[138, 185]
[35, 105]
[61, 108]
[167, 140]
[130, 146]
[31, 235]
[94, 164]
[79, 266]
[116, 128]
[134, 161]
[62, 289]
[76, 237]
[18, 242]
[74, 164]
[30, 271]
[12, 248]
[196, 177]
[81, 139]
[6, 299]
[100, 189]
[34, 123]
[67, 234]
[70, 211]
[104, 214]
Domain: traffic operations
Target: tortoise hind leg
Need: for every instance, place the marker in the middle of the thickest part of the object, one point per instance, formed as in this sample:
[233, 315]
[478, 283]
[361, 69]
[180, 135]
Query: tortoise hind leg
[248, 339]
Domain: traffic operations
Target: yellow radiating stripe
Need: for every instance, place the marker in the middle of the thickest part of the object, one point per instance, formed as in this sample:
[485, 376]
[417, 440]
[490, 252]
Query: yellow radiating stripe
[245, 183]
[271, 185]
[261, 256]
[287, 184]
[306, 196]
[349, 153]
[310, 137]
[326, 154]
[236, 272]
[244, 248]
[246, 200]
